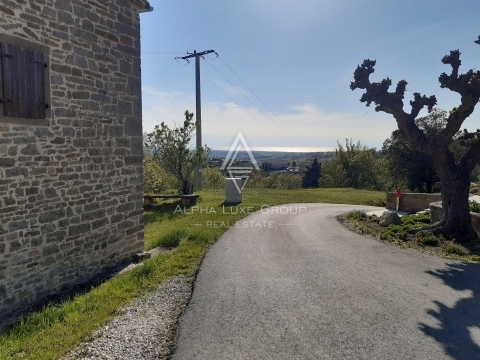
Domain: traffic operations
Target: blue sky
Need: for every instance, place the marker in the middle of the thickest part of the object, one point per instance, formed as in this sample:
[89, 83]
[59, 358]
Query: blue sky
[298, 57]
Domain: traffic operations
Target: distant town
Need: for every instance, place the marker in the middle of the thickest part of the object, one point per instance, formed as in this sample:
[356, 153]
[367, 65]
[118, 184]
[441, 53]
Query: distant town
[271, 161]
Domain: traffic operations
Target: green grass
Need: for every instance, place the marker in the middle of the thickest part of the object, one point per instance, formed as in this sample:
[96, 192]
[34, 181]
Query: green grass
[51, 333]
[170, 215]
[170, 239]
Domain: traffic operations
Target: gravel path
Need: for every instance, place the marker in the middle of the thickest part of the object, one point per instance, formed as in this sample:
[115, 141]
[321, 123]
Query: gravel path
[144, 330]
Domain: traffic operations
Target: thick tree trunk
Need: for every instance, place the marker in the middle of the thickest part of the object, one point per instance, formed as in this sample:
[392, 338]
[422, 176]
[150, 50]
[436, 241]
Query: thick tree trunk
[456, 212]
[456, 222]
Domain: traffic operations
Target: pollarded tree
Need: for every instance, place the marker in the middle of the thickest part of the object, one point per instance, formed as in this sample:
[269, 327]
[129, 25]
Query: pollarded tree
[454, 175]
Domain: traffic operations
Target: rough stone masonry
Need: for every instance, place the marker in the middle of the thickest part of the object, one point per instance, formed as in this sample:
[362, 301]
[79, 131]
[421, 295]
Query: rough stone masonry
[71, 183]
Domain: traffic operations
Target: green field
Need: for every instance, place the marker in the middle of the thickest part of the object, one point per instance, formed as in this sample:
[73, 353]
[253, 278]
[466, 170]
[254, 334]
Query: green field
[168, 216]
[51, 333]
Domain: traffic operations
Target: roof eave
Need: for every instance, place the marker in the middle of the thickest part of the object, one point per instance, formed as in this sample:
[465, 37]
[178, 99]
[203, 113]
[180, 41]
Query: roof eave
[143, 5]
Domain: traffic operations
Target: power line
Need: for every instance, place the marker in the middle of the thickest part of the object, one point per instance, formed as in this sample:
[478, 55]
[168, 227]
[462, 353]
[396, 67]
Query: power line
[250, 100]
[156, 58]
[246, 110]
[253, 92]
[162, 53]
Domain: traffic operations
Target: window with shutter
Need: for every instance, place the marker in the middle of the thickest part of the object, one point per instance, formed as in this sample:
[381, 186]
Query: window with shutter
[23, 82]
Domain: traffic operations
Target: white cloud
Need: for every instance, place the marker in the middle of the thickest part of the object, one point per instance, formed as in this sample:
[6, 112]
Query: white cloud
[222, 121]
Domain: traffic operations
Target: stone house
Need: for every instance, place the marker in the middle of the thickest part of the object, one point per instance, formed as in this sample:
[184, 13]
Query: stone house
[71, 182]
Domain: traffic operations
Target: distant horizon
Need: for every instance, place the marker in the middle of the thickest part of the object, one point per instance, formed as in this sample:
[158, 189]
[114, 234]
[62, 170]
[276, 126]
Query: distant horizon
[284, 149]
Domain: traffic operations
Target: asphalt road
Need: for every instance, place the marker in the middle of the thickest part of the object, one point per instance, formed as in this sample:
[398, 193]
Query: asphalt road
[305, 287]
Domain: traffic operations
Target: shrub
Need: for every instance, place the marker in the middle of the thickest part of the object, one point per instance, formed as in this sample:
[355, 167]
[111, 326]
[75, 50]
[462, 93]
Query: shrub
[424, 233]
[394, 232]
[213, 179]
[288, 181]
[423, 218]
[155, 177]
[357, 215]
[475, 258]
[454, 249]
[395, 228]
[427, 238]
[431, 241]
[474, 206]
[387, 235]
[275, 180]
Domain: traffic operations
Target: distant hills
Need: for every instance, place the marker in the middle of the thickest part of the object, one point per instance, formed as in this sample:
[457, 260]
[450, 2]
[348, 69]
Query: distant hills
[301, 158]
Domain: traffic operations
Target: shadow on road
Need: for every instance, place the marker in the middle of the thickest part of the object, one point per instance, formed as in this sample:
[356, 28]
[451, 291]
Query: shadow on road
[455, 330]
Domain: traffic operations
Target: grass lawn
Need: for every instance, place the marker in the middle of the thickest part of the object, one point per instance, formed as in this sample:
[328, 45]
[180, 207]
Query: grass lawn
[51, 333]
[423, 241]
[168, 218]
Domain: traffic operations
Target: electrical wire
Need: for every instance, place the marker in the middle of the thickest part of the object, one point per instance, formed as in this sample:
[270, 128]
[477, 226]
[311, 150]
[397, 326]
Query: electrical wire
[246, 110]
[161, 53]
[156, 58]
[208, 62]
[253, 92]
[176, 59]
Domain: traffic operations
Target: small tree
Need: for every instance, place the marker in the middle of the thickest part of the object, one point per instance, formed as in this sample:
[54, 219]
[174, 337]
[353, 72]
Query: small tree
[454, 174]
[355, 166]
[333, 175]
[170, 147]
[311, 177]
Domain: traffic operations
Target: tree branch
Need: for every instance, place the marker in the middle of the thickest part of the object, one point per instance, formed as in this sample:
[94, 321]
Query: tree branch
[467, 85]
[392, 102]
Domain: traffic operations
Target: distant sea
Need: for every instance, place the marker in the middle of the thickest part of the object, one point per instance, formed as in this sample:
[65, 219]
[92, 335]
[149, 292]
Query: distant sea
[276, 156]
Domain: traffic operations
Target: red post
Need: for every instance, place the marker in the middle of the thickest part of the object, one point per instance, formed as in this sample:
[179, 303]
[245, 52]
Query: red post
[398, 195]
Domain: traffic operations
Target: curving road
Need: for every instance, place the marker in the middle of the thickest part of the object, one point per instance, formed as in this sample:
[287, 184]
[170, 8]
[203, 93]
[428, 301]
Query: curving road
[305, 287]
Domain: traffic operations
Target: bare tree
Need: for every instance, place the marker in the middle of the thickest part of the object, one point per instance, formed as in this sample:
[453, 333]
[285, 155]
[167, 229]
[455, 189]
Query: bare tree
[454, 175]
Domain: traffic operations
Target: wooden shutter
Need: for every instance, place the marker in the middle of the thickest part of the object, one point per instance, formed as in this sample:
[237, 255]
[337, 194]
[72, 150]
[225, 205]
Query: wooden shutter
[23, 82]
[35, 99]
[12, 97]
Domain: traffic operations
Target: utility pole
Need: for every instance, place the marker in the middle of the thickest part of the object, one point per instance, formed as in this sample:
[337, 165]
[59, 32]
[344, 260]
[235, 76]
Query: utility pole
[198, 112]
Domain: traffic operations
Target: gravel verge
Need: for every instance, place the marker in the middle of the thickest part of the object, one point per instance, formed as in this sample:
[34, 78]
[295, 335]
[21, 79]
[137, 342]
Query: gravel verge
[145, 329]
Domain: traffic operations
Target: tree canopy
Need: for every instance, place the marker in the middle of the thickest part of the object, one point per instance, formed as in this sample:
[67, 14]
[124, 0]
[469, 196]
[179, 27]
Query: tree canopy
[312, 175]
[170, 147]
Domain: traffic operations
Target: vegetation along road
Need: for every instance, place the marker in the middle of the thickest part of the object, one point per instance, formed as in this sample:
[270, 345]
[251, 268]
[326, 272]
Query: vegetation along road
[308, 288]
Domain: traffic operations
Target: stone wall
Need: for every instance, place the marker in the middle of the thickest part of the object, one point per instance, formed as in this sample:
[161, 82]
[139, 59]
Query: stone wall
[71, 185]
[412, 202]
[436, 214]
